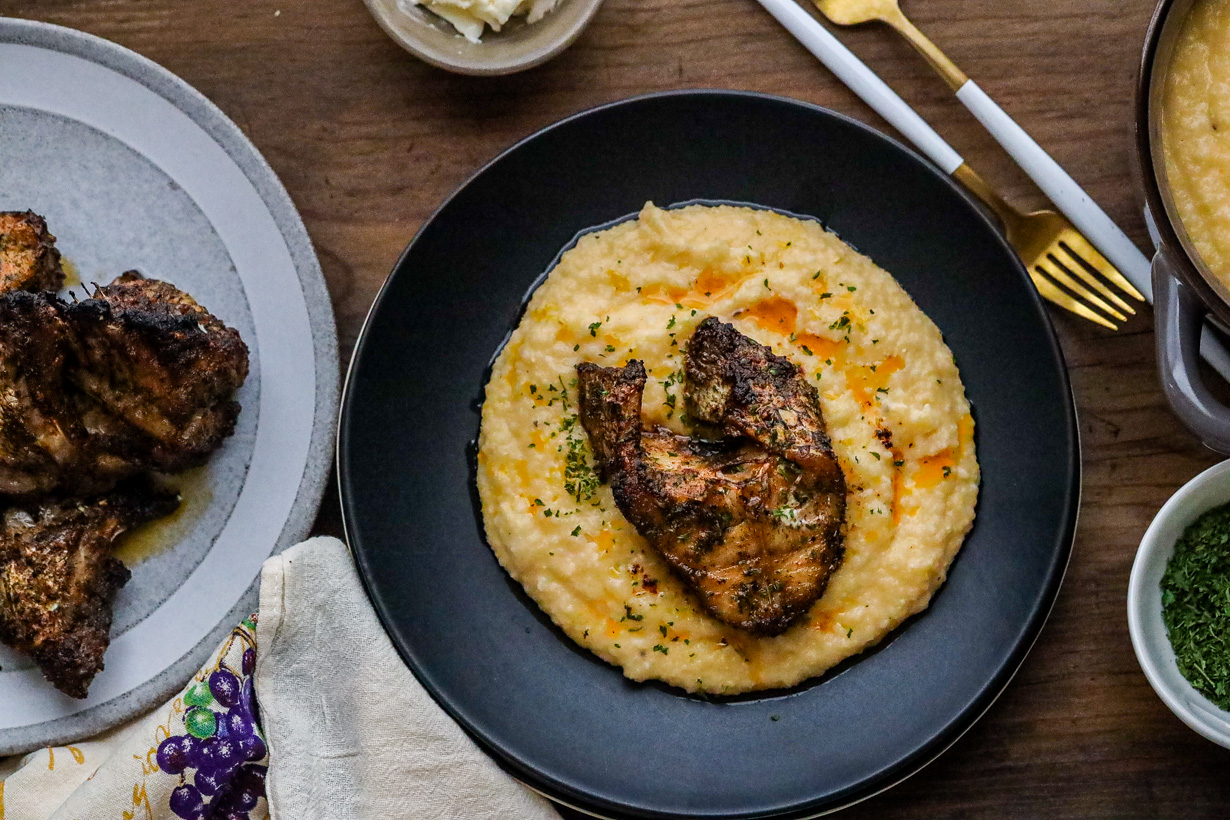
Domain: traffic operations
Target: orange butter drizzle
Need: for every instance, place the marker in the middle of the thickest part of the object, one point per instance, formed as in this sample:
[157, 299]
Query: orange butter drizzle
[709, 287]
[604, 541]
[775, 313]
[932, 469]
[864, 382]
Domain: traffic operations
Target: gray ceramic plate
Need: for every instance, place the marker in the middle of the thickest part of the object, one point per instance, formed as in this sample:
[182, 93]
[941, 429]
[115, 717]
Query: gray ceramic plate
[134, 169]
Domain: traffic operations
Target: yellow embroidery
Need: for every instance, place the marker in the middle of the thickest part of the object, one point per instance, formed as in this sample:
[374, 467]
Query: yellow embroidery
[149, 762]
[1, 800]
[77, 754]
[51, 759]
[140, 800]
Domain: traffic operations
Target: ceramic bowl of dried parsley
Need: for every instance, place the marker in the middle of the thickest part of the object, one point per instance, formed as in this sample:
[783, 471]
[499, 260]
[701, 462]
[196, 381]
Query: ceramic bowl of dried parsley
[1179, 604]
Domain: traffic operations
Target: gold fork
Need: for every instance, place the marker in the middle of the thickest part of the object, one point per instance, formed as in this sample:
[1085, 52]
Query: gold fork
[1055, 254]
[1065, 268]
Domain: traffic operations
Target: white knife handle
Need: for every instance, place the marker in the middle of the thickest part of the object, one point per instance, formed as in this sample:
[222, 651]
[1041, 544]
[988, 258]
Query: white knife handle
[1062, 190]
[863, 82]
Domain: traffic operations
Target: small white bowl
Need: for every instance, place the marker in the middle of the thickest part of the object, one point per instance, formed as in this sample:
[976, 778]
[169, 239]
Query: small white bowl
[1204, 492]
[518, 46]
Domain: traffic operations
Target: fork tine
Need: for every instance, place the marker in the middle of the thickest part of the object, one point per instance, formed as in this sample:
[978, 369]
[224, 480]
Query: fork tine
[1080, 247]
[1048, 291]
[1063, 254]
[1060, 275]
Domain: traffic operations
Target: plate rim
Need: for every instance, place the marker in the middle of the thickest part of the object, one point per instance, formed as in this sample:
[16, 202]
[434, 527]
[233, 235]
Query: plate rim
[313, 482]
[561, 793]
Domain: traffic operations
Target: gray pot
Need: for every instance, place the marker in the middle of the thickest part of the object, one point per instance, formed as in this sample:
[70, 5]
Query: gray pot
[1185, 291]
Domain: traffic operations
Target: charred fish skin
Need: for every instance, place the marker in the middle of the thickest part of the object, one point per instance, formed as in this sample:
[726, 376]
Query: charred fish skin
[754, 523]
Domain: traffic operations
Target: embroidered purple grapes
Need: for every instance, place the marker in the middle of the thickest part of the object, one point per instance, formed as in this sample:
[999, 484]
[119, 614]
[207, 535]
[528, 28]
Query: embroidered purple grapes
[218, 759]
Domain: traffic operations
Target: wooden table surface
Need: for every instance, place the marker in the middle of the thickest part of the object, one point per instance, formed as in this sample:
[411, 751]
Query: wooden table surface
[369, 141]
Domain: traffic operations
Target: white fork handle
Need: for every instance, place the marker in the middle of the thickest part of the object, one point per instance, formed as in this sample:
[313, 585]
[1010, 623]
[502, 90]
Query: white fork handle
[1058, 185]
[1062, 190]
[863, 81]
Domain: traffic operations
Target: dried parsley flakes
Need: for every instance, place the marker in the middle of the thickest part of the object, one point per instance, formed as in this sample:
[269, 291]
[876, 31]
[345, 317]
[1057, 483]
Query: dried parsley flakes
[1196, 604]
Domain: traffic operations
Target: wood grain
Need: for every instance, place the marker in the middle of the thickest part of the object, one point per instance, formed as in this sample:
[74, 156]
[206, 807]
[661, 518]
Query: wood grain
[369, 142]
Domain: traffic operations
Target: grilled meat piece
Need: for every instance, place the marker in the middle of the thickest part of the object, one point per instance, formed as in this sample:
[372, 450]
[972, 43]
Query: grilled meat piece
[149, 355]
[28, 256]
[38, 428]
[58, 578]
[745, 389]
[752, 523]
[138, 377]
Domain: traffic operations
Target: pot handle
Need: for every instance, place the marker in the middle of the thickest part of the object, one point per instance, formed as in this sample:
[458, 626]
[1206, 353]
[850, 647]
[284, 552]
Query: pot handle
[1178, 316]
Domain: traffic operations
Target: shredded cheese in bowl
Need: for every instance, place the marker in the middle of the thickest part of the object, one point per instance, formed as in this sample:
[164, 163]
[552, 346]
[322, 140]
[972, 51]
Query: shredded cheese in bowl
[471, 17]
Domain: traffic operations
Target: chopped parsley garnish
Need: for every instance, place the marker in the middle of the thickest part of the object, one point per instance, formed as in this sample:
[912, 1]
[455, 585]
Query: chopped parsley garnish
[577, 531]
[580, 480]
[670, 381]
[593, 329]
[660, 648]
[786, 513]
[1196, 604]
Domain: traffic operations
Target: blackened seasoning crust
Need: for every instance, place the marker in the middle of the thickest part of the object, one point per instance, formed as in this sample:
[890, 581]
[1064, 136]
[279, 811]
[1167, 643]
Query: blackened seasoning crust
[753, 523]
[58, 578]
[138, 377]
[28, 256]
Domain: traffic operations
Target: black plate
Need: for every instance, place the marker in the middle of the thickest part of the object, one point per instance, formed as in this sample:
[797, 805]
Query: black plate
[553, 714]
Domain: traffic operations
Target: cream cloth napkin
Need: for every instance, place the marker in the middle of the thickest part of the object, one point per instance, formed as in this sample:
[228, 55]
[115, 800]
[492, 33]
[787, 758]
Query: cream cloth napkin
[350, 733]
[201, 755]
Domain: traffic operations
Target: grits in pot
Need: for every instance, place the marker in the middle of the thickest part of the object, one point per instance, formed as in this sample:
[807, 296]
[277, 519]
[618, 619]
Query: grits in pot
[891, 397]
[1195, 132]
